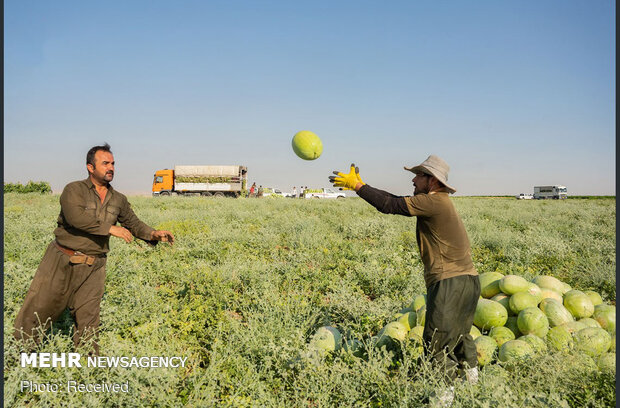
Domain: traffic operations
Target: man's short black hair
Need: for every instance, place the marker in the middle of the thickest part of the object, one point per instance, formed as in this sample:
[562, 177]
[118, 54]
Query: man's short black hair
[90, 156]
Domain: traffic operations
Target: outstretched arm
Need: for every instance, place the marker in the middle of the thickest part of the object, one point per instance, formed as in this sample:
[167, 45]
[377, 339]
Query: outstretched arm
[132, 225]
[383, 201]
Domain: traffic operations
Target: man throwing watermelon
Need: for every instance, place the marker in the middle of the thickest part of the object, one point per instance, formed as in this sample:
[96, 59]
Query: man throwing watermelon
[451, 279]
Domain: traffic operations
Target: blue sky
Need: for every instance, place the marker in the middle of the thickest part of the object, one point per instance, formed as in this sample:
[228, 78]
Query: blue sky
[511, 94]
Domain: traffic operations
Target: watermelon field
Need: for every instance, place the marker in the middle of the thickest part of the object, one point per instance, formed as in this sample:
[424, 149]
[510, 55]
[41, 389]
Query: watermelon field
[248, 285]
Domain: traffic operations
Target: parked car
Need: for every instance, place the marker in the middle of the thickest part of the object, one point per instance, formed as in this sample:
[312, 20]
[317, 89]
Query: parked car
[276, 192]
[323, 193]
[524, 196]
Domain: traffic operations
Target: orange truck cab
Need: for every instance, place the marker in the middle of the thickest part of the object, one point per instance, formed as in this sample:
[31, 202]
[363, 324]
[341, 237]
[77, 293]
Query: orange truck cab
[163, 182]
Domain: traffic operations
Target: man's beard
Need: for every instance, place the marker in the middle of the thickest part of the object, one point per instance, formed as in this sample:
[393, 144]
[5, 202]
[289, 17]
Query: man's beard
[107, 177]
[417, 191]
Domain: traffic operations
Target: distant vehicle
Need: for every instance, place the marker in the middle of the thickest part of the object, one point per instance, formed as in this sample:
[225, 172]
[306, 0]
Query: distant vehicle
[550, 192]
[276, 192]
[524, 196]
[218, 181]
[323, 193]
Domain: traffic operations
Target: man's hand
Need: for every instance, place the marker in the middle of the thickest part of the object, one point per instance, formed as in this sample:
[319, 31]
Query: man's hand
[163, 236]
[121, 232]
[350, 181]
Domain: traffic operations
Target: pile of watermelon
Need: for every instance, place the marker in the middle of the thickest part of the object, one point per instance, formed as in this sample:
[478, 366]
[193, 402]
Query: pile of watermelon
[515, 319]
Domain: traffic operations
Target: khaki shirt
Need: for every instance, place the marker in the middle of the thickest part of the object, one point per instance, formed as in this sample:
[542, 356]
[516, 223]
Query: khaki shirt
[84, 222]
[442, 240]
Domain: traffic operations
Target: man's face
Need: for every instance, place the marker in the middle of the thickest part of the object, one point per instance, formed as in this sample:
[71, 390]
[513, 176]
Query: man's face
[103, 170]
[421, 183]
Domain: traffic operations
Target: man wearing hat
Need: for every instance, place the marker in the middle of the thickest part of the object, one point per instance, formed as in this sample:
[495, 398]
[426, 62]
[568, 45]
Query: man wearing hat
[451, 279]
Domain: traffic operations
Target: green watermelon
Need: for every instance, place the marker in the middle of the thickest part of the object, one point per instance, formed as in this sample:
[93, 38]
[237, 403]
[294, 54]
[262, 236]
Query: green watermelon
[592, 341]
[534, 290]
[578, 303]
[543, 303]
[400, 313]
[511, 323]
[565, 288]
[474, 332]
[594, 297]
[606, 362]
[501, 335]
[550, 293]
[326, 339]
[533, 321]
[522, 300]
[573, 292]
[504, 299]
[489, 284]
[485, 348]
[408, 320]
[573, 326]
[421, 315]
[555, 312]
[418, 302]
[515, 350]
[605, 315]
[489, 314]
[511, 284]
[392, 335]
[307, 145]
[559, 339]
[549, 282]
[538, 345]
[417, 331]
[589, 322]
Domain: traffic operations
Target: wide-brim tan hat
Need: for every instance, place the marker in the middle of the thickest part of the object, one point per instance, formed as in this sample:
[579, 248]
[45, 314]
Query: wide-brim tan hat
[435, 166]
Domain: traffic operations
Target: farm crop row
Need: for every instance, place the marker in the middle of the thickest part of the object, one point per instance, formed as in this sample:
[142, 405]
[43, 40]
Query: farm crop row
[249, 282]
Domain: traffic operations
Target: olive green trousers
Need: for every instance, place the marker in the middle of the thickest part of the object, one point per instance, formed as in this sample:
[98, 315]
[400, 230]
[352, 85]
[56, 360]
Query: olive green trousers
[450, 307]
[58, 284]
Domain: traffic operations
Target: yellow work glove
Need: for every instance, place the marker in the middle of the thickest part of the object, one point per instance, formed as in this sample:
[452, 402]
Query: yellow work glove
[347, 181]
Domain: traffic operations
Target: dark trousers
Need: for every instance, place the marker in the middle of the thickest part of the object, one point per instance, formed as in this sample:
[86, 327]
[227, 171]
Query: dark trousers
[59, 284]
[450, 307]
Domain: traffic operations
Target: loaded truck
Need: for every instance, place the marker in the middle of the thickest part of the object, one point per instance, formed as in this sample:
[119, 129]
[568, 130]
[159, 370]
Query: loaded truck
[218, 181]
[550, 192]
